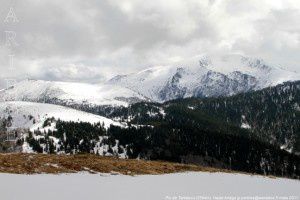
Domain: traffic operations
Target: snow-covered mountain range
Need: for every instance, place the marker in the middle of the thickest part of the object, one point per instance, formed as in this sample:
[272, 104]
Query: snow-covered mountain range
[205, 76]
[201, 76]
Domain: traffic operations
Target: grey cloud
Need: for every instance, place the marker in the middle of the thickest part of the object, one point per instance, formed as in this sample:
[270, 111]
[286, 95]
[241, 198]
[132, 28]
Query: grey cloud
[59, 39]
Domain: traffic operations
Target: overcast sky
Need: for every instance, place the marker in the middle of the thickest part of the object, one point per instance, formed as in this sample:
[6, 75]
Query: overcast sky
[88, 41]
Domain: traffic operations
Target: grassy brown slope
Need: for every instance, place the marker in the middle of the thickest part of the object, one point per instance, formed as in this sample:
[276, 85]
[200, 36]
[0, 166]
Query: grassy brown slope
[54, 164]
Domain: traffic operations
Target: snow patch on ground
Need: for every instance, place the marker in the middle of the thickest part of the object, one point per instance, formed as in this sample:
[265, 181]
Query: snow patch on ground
[245, 126]
[148, 187]
[191, 107]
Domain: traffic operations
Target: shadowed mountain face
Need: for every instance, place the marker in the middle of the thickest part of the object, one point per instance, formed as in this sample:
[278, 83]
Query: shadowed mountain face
[211, 84]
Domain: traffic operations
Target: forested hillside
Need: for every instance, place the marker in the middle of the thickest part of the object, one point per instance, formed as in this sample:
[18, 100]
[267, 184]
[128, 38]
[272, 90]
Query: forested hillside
[271, 115]
[176, 140]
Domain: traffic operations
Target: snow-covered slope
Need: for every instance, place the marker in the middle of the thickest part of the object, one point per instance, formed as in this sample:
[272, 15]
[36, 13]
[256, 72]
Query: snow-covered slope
[70, 93]
[32, 115]
[184, 186]
[205, 76]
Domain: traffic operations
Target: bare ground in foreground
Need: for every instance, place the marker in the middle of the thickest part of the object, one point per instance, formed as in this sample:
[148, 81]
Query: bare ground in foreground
[19, 163]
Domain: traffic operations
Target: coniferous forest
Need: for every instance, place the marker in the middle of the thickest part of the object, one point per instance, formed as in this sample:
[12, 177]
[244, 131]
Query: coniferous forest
[173, 141]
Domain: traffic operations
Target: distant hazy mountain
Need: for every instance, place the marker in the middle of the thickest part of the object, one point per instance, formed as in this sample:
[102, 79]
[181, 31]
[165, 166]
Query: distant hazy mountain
[70, 93]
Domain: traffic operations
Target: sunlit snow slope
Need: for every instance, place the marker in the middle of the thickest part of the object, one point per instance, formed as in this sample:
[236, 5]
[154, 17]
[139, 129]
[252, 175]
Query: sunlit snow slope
[32, 115]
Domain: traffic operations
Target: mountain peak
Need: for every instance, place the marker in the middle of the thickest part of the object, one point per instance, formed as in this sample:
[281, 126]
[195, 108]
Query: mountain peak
[206, 75]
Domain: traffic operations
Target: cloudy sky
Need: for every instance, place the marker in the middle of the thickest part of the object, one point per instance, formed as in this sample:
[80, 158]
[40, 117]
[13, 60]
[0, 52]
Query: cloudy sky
[88, 41]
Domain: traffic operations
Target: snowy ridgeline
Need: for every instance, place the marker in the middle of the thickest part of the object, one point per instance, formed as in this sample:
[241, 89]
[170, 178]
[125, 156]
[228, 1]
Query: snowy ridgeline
[32, 115]
[201, 76]
[192, 186]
